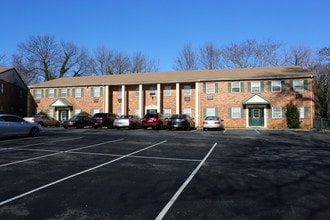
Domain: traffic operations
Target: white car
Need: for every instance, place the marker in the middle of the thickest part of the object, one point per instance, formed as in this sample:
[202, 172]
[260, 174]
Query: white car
[127, 121]
[13, 125]
[213, 122]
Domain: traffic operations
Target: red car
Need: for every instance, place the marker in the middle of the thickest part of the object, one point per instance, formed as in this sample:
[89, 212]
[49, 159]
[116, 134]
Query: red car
[154, 120]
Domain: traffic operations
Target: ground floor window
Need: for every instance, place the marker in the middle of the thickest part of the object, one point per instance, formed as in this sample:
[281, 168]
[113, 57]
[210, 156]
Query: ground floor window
[167, 112]
[76, 111]
[277, 112]
[236, 112]
[187, 111]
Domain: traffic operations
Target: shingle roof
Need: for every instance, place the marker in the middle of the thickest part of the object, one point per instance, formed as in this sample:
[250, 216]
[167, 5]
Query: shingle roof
[180, 76]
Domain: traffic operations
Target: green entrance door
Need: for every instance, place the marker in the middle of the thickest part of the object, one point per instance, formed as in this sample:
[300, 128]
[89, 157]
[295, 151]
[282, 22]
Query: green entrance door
[256, 117]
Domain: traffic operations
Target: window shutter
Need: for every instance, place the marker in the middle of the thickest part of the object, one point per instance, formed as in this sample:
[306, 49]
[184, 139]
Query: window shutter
[216, 111]
[47, 93]
[269, 86]
[216, 87]
[283, 86]
[283, 112]
[242, 87]
[305, 85]
[306, 112]
[92, 92]
[55, 90]
[34, 93]
[68, 92]
[249, 86]
[204, 112]
[270, 113]
[42, 93]
[291, 85]
[204, 87]
[229, 87]
[101, 91]
[73, 92]
[242, 113]
[82, 92]
[262, 86]
[229, 112]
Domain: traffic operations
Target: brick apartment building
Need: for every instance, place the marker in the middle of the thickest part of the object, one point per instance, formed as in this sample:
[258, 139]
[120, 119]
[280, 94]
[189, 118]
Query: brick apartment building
[14, 94]
[250, 97]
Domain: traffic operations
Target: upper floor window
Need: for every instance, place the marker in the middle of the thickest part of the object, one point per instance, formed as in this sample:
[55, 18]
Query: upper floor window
[38, 93]
[96, 91]
[2, 88]
[210, 112]
[187, 111]
[210, 88]
[167, 91]
[276, 86]
[255, 87]
[77, 92]
[152, 91]
[137, 91]
[298, 85]
[51, 93]
[120, 92]
[64, 93]
[235, 87]
[187, 90]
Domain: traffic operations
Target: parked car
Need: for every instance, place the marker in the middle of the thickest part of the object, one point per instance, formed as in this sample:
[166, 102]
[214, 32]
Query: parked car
[43, 120]
[154, 120]
[127, 121]
[103, 120]
[181, 121]
[213, 122]
[13, 125]
[78, 121]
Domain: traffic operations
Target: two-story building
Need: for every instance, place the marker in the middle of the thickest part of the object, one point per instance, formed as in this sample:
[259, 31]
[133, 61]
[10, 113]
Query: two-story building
[14, 93]
[249, 97]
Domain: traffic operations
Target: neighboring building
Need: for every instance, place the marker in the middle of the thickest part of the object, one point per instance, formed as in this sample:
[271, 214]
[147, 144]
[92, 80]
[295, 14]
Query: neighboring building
[14, 94]
[251, 97]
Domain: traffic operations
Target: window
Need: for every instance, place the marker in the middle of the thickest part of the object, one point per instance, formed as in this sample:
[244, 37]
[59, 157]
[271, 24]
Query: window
[2, 88]
[64, 93]
[301, 112]
[77, 92]
[119, 111]
[38, 93]
[95, 110]
[152, 91]
[210, 112]
[167, 91]
[120, 92]
[187, 111]
[76, 111]
[255, 87]
[210, 88]
[137, 112]
[276, 86]
[236, 112]
[50, 93]
[235, 87]
[51, 113]
[137, 91]
[276, 112]
[96, 91]
[298, 85]
[167, 112]
[186, 90]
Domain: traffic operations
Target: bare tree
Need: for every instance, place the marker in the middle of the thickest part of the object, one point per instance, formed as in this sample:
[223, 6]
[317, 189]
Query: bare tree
[210, 57]
[250, 53]
[140, 63]
[300, 56]
[187, 59]
[2, 59]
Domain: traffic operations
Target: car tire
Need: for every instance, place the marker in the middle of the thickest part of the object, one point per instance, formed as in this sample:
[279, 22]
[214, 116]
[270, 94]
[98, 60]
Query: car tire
[204, 129]
[34, 132]
[57, 124]
[79, 126]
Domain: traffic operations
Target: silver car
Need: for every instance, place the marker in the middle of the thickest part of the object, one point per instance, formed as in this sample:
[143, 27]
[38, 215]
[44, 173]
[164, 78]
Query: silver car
[127, 121]
[213, 122]
[13, 125]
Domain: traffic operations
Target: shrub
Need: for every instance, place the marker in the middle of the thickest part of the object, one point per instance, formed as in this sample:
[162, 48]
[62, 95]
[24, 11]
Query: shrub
[292, 116]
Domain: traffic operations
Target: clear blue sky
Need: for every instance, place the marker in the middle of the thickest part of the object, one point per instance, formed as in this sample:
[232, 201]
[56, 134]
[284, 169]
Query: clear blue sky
[160, 28]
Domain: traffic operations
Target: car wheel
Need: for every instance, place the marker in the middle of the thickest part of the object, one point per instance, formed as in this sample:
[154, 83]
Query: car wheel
[95, 127]
[79, 126]
[204, 129]
[34, 132]
[57, 124]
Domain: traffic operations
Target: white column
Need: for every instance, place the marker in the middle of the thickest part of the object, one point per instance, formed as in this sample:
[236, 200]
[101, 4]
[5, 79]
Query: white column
[141, 109]
[196, 104]
[158, 98]
[106, 99]
[177, 99]
[123, 98]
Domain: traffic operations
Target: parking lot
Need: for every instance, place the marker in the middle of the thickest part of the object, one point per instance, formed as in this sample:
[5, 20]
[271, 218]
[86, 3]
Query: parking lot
[160, 174]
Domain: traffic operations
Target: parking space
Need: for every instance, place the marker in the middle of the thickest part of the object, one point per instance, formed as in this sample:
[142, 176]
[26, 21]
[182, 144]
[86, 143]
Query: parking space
[148, 174]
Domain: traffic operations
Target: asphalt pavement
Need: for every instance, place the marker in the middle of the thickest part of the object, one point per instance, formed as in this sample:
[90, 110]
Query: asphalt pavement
[160, 174]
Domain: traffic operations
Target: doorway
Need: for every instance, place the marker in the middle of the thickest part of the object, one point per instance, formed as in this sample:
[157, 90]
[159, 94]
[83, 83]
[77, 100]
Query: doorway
[256, 117]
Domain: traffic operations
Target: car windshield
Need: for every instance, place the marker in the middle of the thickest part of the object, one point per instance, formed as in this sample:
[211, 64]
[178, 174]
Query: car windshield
[151, 116]
[178, 116]
[126, 117]
[212, 118]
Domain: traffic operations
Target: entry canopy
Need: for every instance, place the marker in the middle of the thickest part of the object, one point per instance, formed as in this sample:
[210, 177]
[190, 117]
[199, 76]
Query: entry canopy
[256, 100]
[62, 102]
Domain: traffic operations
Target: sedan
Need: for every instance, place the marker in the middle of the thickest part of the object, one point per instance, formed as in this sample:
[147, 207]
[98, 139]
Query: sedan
[127, 121]
[12, 125]
[78, 121]
[181, 121]
[213, 122]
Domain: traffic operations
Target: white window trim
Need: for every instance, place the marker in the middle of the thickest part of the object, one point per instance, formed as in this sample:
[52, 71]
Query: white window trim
[275, 86]
[210, 88]
[187, 90]
[299, 84]
[277, 114]
[236, 112]
[235, 87]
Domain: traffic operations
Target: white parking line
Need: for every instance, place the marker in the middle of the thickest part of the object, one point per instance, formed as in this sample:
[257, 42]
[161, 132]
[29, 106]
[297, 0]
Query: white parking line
[257, 131]
[77, 174]
[183, 186]
[59, 152]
